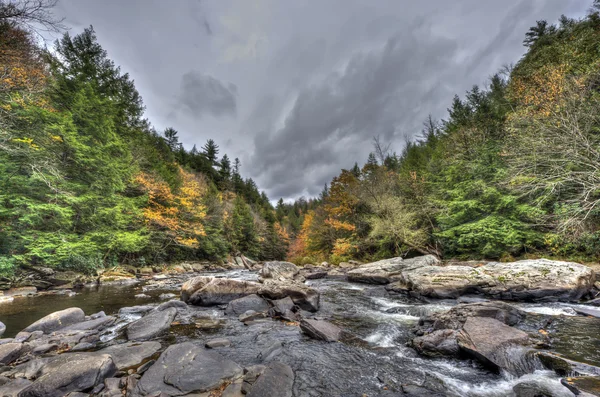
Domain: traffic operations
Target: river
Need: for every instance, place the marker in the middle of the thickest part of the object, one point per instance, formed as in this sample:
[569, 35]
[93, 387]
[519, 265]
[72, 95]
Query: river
[374, 357]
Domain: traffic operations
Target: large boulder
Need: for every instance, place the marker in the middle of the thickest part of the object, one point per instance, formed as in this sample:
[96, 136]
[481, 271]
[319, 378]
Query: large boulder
[250, 302]
[276, 380]
[151, 325]
[438, 343]
[456, 317]
[186, 368]
[128, 355]
[529, 280]
[280, 271]
[322, 330]
[57, 320]
[491, 341]
[303, 296]
[211, 291]
[68, 373]
[387, 270]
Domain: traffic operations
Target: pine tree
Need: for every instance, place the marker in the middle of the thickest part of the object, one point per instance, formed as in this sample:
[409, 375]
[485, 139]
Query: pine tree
[211, 150]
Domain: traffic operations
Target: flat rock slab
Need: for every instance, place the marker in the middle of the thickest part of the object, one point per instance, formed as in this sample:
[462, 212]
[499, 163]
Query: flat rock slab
[151, 325]
[530, 280]
[250, 302]
[587, 312]
[71, 372]
[490, 341]
[13, 387]
[276, 381]
[131, 354]
[303, 296]
[219, 342]
[57, 320]
[387, 270]
[280, 271]
[186, 368]
[322, 330]
[97, 323]
[211, 291]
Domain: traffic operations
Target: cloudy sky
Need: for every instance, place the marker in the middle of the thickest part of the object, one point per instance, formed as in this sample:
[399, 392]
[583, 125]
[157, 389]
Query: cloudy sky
[297, 89]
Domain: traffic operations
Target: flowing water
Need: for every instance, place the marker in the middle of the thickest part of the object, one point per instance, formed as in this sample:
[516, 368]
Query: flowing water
[371, 358]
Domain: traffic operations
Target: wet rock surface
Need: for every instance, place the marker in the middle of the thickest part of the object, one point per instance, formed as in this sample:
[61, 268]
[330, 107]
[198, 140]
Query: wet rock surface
[321, 330]
[151, 325]
[57, 320]
[388, 270]
[70, 373]
[526, 280]
[185, 368]
[471, 346]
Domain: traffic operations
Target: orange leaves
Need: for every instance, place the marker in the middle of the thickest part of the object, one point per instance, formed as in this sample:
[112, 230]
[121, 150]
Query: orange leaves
[180, 213]
[543, 90]
[21, 66]
[343, 247]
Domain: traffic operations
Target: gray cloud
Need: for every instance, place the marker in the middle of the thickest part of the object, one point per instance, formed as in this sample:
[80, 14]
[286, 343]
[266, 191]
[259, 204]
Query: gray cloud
[203, 94]
[387, 92]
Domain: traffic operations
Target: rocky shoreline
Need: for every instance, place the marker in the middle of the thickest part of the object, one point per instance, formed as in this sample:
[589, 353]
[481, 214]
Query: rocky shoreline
[69, 353]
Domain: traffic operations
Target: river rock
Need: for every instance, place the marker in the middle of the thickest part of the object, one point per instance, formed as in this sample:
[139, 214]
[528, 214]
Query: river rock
[490, 340]
[130, 354]
[151, 325]
[456, 317]
[250, 302]
[276, 380]
[530, 280]
[439, 343]
[539, 388]
[70, 372]
[57, 320]
[2, 328]
[587, 312]
[211, 291]
[135, 310]
[186, 368]
[250, 315]
[13, 387]
[179, 305]
[303, 296]
[319, 329]
[280, 271]
[98, 323]
[316, 275]
[218, 342]
[387, 270]
[9, 352]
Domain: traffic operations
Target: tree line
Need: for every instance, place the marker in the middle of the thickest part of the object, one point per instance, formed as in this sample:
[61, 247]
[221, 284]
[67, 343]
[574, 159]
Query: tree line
[513, 171]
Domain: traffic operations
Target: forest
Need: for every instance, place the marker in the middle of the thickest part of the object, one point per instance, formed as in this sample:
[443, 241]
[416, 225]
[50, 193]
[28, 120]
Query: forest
[87, 182]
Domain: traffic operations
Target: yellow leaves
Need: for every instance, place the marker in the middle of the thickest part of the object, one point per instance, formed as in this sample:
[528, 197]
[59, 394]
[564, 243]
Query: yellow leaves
[180, 212]
[56, 138]
[343, 247]
[27, 141]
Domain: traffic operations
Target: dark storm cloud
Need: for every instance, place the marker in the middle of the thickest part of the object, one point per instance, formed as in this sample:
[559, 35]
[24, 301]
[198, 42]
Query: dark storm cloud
[384, 92]
[202, 94]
